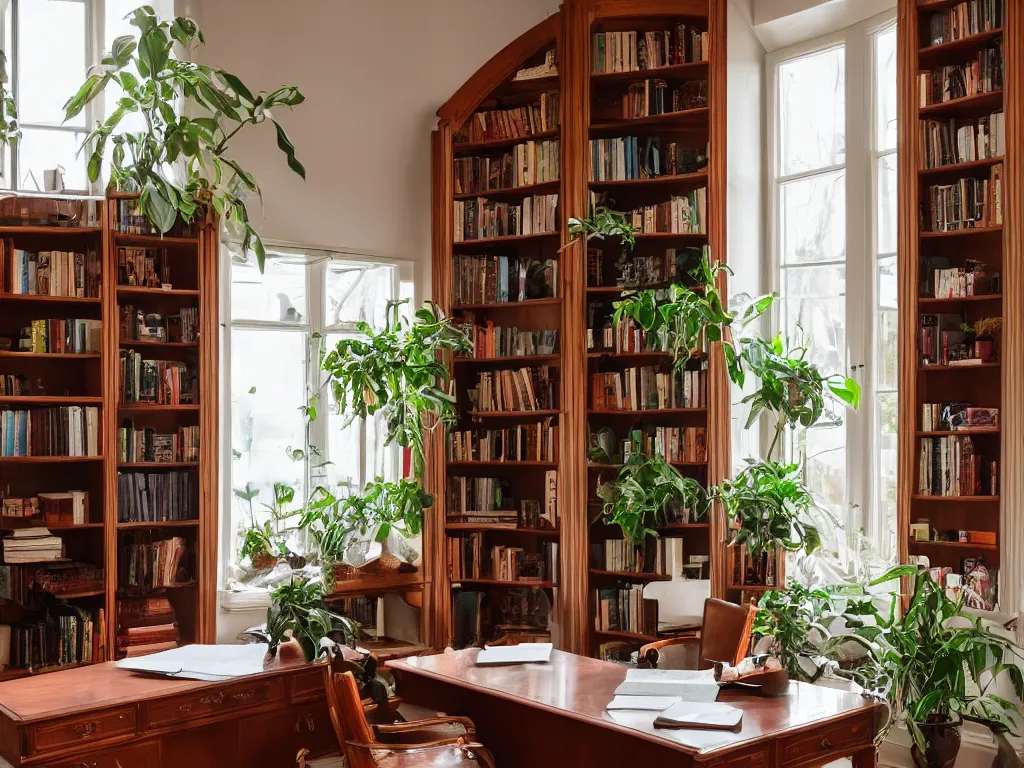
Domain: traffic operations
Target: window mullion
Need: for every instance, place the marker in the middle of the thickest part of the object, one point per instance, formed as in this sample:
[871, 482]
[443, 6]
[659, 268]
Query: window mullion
[317, 432]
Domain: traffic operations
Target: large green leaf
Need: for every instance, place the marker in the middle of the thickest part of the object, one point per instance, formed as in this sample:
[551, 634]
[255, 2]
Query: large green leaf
[286, 146]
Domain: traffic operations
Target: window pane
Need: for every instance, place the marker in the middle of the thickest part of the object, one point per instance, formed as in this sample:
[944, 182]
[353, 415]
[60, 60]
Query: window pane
[885, 88]
[43, 149]
[823, 451]
[813, 222]
[278, 294]
[268, 385]
[887, 212]
[887, 417]
[815, 314]
[887, 332]
[812, 110]
[51, 59]
[356, 292]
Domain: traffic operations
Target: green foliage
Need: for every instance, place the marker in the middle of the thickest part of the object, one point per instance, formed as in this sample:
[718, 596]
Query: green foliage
[637, 499]
[397, 371]
[770, 502]
[298, 605]
[167, 92]
[790, 616]
[604, 223]
[924, 662]
[10, 131]
[270, 537]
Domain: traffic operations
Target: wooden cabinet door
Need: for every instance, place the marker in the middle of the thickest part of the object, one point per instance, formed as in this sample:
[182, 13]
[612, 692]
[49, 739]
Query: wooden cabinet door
[276, 737]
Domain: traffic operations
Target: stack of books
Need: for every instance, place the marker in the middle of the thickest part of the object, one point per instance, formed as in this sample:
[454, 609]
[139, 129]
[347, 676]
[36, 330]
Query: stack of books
[149, 565]
[625, 610]
[32, 545]
[144, 267]
[145, 625]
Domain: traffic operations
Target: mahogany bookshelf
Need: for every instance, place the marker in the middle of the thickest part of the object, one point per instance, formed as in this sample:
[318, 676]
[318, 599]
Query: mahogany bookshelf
[582, 94]
[92, 379]
[986, 507]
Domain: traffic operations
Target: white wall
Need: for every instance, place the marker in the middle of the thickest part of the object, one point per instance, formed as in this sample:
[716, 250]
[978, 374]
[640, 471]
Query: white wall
[374, 74]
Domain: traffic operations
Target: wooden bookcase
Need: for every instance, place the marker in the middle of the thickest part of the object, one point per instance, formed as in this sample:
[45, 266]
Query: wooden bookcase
[93, 380]
[588, 104]
[926, 377]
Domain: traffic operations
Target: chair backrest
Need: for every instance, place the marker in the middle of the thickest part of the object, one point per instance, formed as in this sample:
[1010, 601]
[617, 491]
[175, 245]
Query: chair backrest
[347, 716]
[725, 634]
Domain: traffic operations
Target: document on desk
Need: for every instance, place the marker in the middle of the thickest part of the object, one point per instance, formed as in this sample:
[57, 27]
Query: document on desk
[211, 663]
[644, 703]
[700, 715]
[524, 653]
[688, 685]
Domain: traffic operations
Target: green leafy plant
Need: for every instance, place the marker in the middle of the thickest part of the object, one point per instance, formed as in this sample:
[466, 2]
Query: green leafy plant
[10, 130]
[646, 486]
[397, 371]
[167, 91]
[298, 606]
[927, 662]
[792, 617]
[269, 537]
[770, 502]
[604, 223]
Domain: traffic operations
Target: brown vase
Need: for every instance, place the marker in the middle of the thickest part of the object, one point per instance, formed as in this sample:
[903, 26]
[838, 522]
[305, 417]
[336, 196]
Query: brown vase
[288, 653]
[942, 743]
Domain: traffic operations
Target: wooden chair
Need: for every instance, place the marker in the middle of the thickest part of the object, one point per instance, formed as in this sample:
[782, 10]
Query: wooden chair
[724, 636]
[439, 741]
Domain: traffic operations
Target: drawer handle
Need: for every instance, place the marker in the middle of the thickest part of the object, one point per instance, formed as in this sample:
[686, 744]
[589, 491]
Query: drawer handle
[244, 697]
[184, 708]
[212, 699]
[826, 744]
[85, 729]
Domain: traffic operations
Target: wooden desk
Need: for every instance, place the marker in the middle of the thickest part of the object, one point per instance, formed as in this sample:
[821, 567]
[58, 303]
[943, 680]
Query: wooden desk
[553, 715]
[102, 717]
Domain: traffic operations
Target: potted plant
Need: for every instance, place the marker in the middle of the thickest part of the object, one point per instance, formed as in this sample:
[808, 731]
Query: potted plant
[190, 112]
[986, 343]
[936, 666]
[266, 544]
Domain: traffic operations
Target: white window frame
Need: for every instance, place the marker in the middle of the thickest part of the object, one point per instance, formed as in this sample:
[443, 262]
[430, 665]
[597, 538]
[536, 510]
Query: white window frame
[317, 259]
[861, 260]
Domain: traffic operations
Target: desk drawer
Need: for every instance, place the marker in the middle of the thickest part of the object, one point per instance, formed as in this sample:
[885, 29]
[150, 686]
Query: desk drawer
[196, 706]
[308, 685]
[837, 738]
[134, 756]
[49, 737]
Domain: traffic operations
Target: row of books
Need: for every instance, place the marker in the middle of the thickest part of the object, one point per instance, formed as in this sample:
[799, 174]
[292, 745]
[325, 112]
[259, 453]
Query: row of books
[497, 279]
[957, 81]
[954, 416]
[159, 382]
[681, 214]
[147, 565]
[145, 625]
[681, 445]
[27, 584]
[626, 610]
[138, 325]
[624, 556]
[638, 50]
[648, 389]
[522, 442]
[13, 385]
[64, 508]
[71, 430]
[32, 545]
[951, 466]
[965, 204]
[625, 336]
[49, 273]
[960, 140]
[145, 444]
[653, 97]
[490, 340]
[157, 497]
[68, 336]
[521, 389]
[63, 636]
[131, 220]
[481, 218]
[628, 157]
[971, 17]
[971, 279]
[469, 559]
[488, 500]
[540, 116]
[645, 270]
[143, 267]
[939, 339]
[533, 162]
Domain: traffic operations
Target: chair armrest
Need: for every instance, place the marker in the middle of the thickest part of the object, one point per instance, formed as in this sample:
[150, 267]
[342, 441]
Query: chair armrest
[652, 651]
[470, 755]
[434, 730]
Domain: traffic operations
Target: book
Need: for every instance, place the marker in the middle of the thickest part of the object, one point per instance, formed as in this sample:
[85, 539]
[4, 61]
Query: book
[524, 653]
[701, 716]
[689, 685]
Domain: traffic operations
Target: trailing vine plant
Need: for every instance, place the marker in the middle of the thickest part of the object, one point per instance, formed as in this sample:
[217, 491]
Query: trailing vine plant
[10, 130]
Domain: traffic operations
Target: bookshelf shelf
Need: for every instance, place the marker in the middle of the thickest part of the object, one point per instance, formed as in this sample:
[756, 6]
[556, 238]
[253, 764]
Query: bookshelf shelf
[673, 463]
[936, 55]
[517, 359]
[956, 499]
[671, 180]
[498, 528]
[157, 464]
[697, 237]
[154, 241]
[505, 584]
[50, 355]
[673, 119]
[79, 595]
[533, 85]
[150, 408]
[52, 231]
[545, 187]
[690, 70]
[139, 290]
[481, 242]
[954, 169]
[48, 459]
[978, 104]
[478, 146]
[158, 344]
[30, 298]
[649, 412]
[162, 524]
[635, 576]
[50, 400]
[956, 368]
[512, 464]
[927, 301]
[512, 414]
[970, 232]
[636, 637]
[955, 545]
[509, 305]
[970, 431]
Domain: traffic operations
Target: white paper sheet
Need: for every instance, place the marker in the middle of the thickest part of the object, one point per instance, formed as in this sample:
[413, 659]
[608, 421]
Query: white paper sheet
[202, 662]
[646, 703]
[689, 685]
[524, 653]
[701, 713]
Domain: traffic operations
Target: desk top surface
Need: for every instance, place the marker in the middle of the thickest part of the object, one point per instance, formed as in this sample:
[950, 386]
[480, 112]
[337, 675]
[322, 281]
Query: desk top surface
[98, 686]
[580, 687]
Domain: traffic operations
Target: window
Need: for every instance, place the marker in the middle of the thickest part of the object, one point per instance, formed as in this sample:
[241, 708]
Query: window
[833, 249]
[50, 45]
[279, 320]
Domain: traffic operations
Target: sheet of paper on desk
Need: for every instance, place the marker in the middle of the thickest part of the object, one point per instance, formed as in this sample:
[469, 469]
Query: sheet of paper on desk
[524, 653]
[701, 715]
[689, 685]
[646, 703]
[211, 663]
